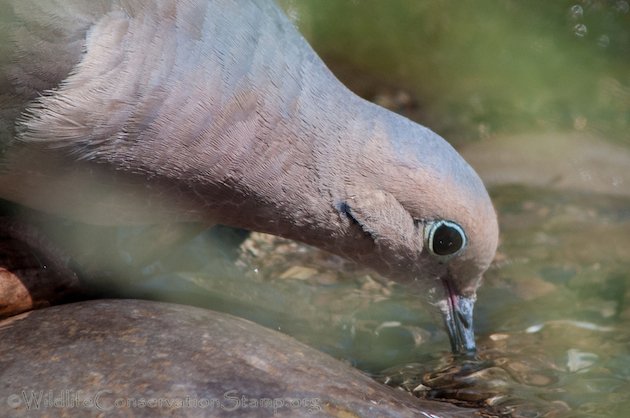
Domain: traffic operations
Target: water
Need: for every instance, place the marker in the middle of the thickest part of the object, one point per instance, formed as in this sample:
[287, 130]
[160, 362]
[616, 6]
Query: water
[552, 317]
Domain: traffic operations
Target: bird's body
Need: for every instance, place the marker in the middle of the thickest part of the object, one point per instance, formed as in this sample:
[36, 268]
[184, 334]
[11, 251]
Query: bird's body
[219, 111]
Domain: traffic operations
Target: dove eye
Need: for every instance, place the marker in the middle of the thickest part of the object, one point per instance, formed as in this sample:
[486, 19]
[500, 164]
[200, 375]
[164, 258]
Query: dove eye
[445, 238]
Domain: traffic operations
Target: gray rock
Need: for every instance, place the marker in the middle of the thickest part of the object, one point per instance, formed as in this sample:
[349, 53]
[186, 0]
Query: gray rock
[131, 358]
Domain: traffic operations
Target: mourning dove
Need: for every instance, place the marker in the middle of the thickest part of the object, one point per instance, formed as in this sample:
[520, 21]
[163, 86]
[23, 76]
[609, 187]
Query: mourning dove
[219, 111]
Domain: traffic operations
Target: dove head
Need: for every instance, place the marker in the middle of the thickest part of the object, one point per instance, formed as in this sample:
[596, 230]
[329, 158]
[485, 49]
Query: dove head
[429, 216]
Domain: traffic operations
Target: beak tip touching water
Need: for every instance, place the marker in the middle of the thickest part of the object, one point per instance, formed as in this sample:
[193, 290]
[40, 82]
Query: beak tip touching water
[459, 324]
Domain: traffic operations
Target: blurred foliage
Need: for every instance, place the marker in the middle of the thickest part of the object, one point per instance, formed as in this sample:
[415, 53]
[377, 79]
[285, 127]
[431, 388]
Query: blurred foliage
[480, 67]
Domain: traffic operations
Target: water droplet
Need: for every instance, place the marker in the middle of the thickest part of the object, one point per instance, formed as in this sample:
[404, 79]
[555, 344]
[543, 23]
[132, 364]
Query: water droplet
[622, 6]
[603, 41]
[580, 30]
[576, 11]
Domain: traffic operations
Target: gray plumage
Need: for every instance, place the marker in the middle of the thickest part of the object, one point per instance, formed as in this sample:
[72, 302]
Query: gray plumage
[219, 111]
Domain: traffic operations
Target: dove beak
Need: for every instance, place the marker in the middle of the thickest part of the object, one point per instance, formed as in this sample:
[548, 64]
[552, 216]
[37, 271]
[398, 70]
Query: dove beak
[458, 317]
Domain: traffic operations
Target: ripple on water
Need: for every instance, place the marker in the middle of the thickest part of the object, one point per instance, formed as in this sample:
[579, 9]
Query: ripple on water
[553, 315]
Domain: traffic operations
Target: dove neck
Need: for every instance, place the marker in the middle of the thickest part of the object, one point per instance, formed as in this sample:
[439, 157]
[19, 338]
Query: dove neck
[293, 170]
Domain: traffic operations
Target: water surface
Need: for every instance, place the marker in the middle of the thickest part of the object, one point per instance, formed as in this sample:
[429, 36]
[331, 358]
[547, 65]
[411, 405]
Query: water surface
[552, 317]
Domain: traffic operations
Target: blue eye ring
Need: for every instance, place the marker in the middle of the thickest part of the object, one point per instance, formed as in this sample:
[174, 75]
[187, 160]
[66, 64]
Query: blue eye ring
[444, 238]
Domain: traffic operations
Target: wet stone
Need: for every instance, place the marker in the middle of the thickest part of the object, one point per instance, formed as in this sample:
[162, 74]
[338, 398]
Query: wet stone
[140, 358]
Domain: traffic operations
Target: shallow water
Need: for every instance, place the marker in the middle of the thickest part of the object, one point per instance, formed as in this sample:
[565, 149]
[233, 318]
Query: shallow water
[552, 318]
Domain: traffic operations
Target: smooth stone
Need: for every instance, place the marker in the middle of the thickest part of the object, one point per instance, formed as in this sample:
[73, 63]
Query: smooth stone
[33, 272]
[93, 357]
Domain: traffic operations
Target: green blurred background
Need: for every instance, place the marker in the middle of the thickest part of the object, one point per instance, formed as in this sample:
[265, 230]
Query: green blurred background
[482, 67]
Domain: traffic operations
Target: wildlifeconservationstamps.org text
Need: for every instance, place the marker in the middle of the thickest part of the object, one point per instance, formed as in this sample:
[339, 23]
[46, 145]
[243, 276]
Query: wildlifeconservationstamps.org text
[108, 400]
